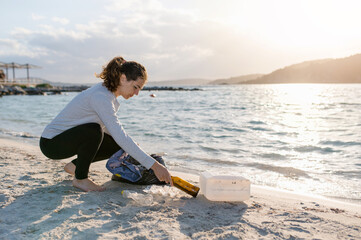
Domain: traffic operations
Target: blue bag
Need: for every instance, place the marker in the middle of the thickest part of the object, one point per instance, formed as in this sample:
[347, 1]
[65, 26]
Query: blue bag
[119, 165]
[127, 169]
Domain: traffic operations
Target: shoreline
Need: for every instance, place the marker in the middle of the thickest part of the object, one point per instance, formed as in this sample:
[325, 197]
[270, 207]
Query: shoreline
[33, 141]
[270, 192]
[39, 192]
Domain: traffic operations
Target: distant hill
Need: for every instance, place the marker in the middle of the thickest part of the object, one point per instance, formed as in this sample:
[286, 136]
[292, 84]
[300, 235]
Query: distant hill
[236, 80]
[180, 82]
[341, 70]
[200, 81]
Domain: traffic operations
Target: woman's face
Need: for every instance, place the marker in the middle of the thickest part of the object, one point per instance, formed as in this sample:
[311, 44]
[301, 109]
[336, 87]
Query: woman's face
[128, 89]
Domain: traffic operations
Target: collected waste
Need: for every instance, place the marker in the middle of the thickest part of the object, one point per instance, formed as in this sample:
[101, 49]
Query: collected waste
[142, 199]
[217, 187]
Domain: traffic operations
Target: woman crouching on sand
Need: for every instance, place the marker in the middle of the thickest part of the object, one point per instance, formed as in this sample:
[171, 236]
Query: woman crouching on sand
[89, 128]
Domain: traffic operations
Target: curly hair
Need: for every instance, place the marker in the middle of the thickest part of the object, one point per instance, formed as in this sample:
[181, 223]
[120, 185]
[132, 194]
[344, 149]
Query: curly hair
[116, 67]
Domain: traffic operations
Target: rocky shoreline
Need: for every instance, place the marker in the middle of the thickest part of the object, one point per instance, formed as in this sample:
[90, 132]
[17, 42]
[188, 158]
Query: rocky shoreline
[38, 90]
[164, 88]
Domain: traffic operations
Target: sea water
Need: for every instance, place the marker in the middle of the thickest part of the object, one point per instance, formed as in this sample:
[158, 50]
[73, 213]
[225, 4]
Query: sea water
[298, 137]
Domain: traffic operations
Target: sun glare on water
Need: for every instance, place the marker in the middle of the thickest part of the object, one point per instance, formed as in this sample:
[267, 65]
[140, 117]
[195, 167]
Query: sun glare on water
[303, 95]
[300, 107]
[300, 115]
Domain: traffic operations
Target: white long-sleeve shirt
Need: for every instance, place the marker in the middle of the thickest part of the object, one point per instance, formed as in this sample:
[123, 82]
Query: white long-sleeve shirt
[97, 105]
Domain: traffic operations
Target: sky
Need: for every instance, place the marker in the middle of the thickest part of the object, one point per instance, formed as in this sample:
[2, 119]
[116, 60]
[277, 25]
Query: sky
[209, 39]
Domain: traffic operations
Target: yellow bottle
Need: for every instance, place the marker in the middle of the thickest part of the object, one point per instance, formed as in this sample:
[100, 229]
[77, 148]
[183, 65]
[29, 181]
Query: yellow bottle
[185, 186]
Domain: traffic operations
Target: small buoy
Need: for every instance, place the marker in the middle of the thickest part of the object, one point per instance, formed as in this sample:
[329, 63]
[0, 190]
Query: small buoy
[152, 95]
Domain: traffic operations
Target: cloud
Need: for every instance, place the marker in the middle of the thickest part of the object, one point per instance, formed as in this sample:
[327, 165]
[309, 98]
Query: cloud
[37, 17]
[171, 43]
[134, 6]
[12, 47]
[62, 21]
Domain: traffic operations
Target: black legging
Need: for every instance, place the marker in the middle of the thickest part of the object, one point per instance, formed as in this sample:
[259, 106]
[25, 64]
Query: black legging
[87, 141]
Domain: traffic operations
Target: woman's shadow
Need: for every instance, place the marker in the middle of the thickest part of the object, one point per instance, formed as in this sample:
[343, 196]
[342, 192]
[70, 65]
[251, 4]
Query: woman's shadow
[44, 211]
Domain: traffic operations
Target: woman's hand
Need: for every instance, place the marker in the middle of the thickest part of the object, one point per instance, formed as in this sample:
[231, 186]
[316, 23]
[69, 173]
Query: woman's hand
[162, 173]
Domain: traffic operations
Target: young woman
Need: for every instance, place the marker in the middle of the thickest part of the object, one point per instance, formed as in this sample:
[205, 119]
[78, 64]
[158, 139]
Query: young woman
[89, 128]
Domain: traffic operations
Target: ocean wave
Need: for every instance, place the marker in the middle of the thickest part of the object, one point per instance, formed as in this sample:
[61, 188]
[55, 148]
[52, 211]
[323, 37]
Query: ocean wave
[345, 198]
[230, 150]
[273, 156]
[309, 148]
[233, 129]
[349, 174]
[286, 171]
[208, 160]
[219, 150]
[209, 149]
[260, 129]
[152, 134]
[283, 133]
[350, 104]
[238, 108]
[340, 143]
[18, 134]
[256, 122]
[222, 136]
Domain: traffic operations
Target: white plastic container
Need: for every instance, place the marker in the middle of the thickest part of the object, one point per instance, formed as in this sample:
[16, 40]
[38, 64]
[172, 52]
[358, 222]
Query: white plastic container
[224, 187]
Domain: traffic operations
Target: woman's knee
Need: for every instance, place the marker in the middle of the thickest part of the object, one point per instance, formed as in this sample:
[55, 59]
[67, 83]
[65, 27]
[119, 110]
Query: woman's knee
[44, 147]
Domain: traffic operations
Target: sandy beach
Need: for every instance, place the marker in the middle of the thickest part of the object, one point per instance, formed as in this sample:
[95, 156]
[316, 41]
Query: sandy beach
[37, 201]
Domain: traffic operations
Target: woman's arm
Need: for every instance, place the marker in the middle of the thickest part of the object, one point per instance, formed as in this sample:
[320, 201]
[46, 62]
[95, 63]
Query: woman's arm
[102, 104]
